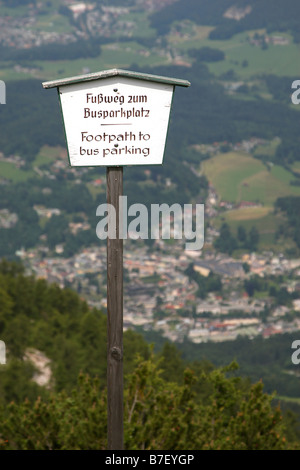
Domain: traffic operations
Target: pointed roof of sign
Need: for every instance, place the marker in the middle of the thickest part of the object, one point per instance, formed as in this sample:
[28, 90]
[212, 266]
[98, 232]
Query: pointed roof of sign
[114, 73]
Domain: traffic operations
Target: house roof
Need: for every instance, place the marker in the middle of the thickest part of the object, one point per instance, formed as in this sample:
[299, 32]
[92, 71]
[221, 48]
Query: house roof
[115, 73]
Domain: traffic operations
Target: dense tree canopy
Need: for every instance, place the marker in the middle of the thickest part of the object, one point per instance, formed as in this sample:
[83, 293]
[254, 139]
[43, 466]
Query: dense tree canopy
[168, 403]
[159, 415]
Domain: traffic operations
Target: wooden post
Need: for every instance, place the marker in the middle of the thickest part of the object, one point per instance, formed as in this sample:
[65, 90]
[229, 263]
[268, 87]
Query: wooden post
[114, 179]
[88, 148]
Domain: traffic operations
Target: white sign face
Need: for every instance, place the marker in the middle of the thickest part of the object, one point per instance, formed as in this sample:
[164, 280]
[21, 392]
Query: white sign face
[116, 121]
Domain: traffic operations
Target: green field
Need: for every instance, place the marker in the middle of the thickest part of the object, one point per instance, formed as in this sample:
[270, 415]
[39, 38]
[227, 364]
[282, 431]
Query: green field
[263, 219]
[296, 167]
[276, 59]
[289, 399]
[55, 22]
[188, 29]
[121, 55]
[141, 24]
[240, 177]
[10, 172]
[45, 156]
[48, 155]
[269, 149]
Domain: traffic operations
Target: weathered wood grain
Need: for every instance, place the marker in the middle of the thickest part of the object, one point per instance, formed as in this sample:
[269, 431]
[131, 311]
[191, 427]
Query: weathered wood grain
[114, 177]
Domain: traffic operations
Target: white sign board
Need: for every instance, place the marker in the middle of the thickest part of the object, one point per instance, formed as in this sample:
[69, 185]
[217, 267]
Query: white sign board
[116, 121]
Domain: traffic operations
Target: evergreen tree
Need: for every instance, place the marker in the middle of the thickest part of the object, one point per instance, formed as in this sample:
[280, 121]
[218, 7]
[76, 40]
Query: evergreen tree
[226, 242]
[158, 415]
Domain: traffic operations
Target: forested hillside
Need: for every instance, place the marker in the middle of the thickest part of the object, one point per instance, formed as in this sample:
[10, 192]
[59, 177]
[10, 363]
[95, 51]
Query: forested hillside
[195, 405]
[204, 113]
[275, 16]
[31, 119]
[72, 335]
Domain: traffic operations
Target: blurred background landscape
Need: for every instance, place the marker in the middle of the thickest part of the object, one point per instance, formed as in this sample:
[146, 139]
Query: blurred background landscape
[233, 145]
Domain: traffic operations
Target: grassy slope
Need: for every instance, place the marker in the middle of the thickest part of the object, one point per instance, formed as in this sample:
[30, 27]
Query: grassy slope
[46, 156]
[240, 177]
[278, 60]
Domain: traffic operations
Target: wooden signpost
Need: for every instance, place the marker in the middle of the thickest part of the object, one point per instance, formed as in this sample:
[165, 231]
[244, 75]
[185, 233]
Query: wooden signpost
[115, 118]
